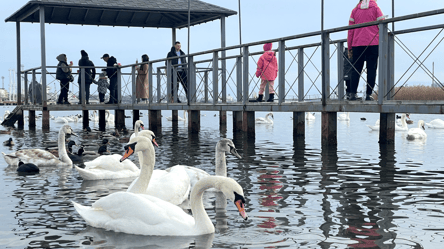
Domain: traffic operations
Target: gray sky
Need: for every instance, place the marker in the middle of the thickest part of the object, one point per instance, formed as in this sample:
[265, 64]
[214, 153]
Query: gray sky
[261, 20]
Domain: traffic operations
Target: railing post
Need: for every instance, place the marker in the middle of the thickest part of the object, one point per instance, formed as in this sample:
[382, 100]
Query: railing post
[33, 87]
[215, 77]
[391, 66]
[325, 54]
[82, 87]
[169, 79]
[191, 80]
[150, 83]
[281, 71]
[175, 84]
[133, 81]
[245, 75]
[239, 79]
[340, 70]
[206, 86]
[301, 75]
[383, 62]
[25, 76]
[119, 86]
[159, 86]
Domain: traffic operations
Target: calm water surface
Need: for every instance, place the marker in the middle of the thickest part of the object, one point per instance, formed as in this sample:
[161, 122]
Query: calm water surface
[299, 195]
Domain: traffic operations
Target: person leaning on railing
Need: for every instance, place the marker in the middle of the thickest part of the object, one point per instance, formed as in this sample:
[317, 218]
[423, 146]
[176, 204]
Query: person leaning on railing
[181, 70]
[63, 74]
[90, 74]
[363, 45]
[111, 72]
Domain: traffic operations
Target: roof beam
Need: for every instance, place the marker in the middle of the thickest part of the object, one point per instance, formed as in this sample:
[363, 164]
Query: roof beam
[132, 17]
[86, 13]
[27, 13]
[160, 20]
[69, 14]
[101, 16]
[172, 16]
[51, 16]
[148, 16]
[117, 17]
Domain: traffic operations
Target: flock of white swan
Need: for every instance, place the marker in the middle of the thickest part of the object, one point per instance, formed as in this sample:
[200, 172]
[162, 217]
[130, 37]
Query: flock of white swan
[149, 205]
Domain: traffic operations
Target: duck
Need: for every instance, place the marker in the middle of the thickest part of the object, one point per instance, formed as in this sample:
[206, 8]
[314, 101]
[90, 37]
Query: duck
[9, 142]
[436, 124]
[344, 116]
[265, 120]
[42, 157]
[27, 168]
[417, 133]
[170, 118]
[143, 214]
[8, 131]
[363, 119]
[310, 116]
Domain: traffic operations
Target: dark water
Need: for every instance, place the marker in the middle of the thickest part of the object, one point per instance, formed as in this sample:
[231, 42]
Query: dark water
[299, 195]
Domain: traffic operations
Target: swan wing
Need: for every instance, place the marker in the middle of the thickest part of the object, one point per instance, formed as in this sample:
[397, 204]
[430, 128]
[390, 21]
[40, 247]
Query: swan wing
[195, 174]
[108, 167]
[38, 157]
[172, 186]
[137, 214]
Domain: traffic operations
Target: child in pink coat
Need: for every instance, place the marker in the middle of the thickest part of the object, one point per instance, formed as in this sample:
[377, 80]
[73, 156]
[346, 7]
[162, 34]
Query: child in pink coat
[267, 69]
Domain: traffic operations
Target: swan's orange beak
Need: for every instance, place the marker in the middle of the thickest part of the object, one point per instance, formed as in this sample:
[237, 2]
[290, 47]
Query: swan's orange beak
[155, 143]
[241, 208]
[129, 150]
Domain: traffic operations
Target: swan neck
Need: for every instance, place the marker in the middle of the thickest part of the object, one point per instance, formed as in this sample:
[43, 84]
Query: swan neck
[63, 156]
[221, 163]
[147, 160]
[202, 221]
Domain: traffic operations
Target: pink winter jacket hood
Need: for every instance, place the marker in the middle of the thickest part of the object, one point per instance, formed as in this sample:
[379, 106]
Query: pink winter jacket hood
[365, 11]
[267, 67]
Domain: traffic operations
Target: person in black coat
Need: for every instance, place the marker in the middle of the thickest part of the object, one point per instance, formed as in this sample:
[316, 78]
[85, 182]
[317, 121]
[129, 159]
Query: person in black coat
[63, 74]
[90, 74]
[111, 72]
[181, 70]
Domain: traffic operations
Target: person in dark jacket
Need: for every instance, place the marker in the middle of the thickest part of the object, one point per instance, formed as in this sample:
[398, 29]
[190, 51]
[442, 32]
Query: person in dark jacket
[63, 74]
[90, 74]
[111, 72]
[181, 70]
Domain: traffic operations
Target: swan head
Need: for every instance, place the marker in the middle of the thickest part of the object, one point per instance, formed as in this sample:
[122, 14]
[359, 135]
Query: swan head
[270, 114]
[139, 123]
[136, 144]
[226, 145]
[150, 135]
[234, 192]
[421, 124]
[68, 130]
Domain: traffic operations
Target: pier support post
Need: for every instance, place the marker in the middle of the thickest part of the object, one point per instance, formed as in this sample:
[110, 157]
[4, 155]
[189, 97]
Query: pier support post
[298, 124]
[85, 119]
[45, 120]
[329, 128]
[387, 128]
[102, 121]
[193, 121]
[119, 119]
[223, 118]
[155, 120]
[136, 116]
[174, 115]
[20, 121]
[32, 120]
[248, 123]
[237, 121]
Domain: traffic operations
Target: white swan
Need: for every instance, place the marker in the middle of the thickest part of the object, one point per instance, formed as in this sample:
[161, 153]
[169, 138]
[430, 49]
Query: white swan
[94, 117]
[169, 185]
[148, 215]
[310, 116]
[344, 116]
[42, 157]
[265, 120]
[170, 118]
[374, 127]
[403, 126]
[137, 126]
[436, 124]
[417, 133]
[108, 167]
[61, 120]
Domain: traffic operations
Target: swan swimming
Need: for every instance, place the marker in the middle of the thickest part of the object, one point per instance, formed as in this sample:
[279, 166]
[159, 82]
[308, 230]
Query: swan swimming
[148, 215]
[170, 118]
[436, 124]
[344, 116]
[265, 120]
[42, 157]
[417, 133]
[374, 127]
[310, 116]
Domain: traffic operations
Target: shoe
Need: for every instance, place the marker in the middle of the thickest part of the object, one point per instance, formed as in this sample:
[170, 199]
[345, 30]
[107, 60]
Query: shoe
[271, 97]
[59, 103]
[66, 103]
[369, 97]
[178, 101]
[352, 97]
[102, 102]
[347, 96]
[109, 103]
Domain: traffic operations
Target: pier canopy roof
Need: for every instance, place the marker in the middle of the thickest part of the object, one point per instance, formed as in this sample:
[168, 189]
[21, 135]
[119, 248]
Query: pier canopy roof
[127, 13]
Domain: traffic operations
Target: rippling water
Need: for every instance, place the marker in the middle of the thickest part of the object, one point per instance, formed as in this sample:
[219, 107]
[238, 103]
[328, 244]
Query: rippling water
[299, 195]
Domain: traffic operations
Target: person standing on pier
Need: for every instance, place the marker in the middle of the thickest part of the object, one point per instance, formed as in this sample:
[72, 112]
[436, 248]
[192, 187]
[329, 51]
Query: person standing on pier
[181, 70]
[142, 80]
[267, 69]
[63, 74]
[90, 74]
[111, 72]
[102, 86]
[363, 45]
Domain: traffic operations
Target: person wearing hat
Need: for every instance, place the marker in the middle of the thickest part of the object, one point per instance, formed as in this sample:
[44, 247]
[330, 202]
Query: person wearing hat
[111, 72]
[90, 74]
[102, 86]
[63, 74]
[267, 69]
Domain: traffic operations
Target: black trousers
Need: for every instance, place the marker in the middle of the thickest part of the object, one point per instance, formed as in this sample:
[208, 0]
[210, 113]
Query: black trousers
[370, 55]
[101, 97]
[113, 90]
[183, 79]
[64, 88]
[87, 87]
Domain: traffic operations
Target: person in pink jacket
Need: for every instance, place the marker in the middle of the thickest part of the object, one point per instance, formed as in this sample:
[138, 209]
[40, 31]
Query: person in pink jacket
[267, 69]
[363, 45]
